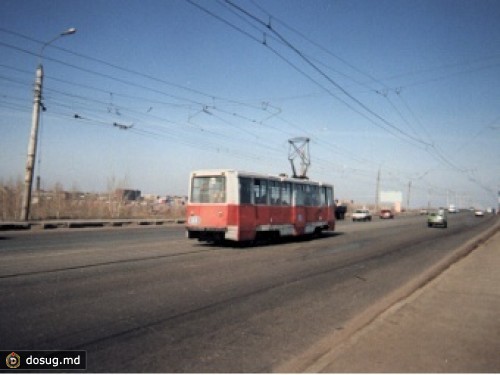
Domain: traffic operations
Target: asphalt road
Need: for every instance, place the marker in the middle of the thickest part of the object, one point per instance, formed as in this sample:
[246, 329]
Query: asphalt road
[149, 300]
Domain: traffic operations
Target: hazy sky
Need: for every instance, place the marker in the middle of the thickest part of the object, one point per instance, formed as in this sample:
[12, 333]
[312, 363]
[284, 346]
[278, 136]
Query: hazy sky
[410, 88]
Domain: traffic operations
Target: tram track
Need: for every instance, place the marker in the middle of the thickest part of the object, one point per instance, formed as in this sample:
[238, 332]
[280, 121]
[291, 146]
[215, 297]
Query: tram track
[103, 264]
[41, 272]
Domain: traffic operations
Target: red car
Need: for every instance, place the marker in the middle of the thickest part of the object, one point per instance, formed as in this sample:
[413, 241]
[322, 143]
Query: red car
[386, 214]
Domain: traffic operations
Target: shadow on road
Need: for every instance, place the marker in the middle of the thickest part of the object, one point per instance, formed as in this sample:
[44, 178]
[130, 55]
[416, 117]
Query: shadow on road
[270, 241]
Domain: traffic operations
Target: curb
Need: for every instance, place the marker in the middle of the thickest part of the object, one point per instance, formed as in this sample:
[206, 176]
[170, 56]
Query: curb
[55, 224]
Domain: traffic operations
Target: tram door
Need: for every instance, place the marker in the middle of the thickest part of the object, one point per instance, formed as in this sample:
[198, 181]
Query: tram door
[298, 209]
[247, 212]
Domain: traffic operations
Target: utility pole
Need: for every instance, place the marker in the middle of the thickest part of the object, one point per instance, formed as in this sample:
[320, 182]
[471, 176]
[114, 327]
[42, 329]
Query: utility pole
[37, 102]
[408, 197]
[30, 162]
[377, 191]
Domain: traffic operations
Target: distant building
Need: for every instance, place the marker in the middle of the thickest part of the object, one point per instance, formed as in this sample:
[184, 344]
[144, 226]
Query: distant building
[127, 194]
[150, 197]
[172, 200]
[393, 198]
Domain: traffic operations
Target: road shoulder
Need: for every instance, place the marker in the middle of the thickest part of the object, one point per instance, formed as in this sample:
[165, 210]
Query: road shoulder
[385, 339]
[450, 325]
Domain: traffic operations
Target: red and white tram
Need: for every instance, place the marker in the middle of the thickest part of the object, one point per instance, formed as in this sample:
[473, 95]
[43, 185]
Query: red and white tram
[233, 205]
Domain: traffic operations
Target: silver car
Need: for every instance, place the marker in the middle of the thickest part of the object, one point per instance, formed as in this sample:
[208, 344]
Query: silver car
[437, 219]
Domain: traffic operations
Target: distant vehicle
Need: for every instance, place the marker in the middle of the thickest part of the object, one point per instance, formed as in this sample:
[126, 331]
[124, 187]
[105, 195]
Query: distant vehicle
[386, 214]
[340, 211]
[423, 211]
[361, 215]
[452, 209]
[479, 213]
[437, 218]
[233, 205]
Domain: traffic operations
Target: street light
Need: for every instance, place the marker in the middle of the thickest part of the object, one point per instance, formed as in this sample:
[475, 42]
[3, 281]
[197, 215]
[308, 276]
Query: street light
[30, 162]
[70, 31]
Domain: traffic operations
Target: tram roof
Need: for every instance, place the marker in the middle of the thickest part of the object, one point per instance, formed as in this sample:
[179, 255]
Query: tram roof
[220, 172]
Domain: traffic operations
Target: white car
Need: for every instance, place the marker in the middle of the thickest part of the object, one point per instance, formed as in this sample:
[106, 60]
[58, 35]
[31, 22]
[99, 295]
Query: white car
[361, 215]
[479, 213]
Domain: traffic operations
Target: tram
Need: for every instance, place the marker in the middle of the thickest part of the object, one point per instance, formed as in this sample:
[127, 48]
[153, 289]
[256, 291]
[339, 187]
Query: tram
[233, 205]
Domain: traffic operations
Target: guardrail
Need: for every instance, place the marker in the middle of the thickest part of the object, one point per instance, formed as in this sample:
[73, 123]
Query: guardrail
[94, 223]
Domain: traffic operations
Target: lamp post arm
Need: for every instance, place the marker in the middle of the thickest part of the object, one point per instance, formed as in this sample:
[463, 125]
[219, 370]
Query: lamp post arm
[70, 31]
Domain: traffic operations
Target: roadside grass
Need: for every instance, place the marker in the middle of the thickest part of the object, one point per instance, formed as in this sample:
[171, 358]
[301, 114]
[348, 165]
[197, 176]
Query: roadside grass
[57, 203]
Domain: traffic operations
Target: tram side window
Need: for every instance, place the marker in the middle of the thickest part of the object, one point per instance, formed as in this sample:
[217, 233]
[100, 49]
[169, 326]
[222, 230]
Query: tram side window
[260, 191]
[208, 190]
[298, 191]
[275, 193]
[245, 190]
[314, 195]
[307, 195]
[310, 195]
[286, 194]
[329, 195]
[324, 196]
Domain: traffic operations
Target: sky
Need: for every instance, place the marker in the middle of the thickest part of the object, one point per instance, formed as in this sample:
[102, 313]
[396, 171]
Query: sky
[401, 92]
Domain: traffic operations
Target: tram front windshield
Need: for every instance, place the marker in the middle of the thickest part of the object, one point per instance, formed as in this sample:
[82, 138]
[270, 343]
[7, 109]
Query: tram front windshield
[208, 189]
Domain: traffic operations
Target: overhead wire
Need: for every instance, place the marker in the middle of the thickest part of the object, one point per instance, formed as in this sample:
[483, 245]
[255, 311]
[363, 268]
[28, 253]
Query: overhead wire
[110, 77]
[73, 95]
[428, 146]
[177, 98]
[106, 75]
[121, 80]
[276, 52]
[204, 130]
[322, 48]
[327, 77]
[115, 66]
[268, 25]
[425, 144]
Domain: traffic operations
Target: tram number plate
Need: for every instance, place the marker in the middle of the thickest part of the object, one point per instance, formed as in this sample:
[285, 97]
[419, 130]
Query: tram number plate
[194, 220]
